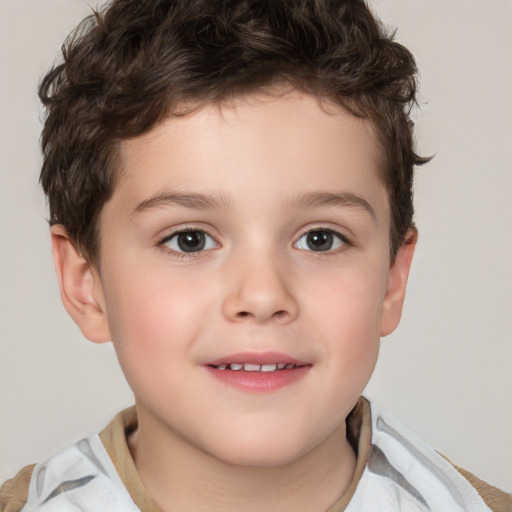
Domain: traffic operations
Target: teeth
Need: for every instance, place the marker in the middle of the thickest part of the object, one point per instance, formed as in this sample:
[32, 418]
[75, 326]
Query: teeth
[249, 367]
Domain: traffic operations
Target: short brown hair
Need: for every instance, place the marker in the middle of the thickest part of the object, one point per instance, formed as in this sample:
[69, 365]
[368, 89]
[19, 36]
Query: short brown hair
[136, 62]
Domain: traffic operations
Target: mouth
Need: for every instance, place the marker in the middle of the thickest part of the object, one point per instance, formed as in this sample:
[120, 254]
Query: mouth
[251, 367]
[258, 372]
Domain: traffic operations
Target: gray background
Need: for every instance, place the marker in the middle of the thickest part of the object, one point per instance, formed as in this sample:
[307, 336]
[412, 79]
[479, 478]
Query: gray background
[446, 372]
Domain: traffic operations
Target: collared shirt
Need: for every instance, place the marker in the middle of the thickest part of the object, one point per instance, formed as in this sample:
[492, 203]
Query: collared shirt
[395, 471]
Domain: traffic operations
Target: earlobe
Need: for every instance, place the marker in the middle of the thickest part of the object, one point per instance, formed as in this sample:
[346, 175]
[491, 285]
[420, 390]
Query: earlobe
[80, 287]
[397, 284]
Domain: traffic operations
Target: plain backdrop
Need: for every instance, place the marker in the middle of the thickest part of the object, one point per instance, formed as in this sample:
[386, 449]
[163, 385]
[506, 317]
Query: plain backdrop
[446, 372]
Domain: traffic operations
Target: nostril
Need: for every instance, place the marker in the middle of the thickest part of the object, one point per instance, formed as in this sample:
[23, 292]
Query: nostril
[278, 314]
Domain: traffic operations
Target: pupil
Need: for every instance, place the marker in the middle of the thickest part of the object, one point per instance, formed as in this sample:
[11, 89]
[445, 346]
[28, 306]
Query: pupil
[191, 241]
[319, 240]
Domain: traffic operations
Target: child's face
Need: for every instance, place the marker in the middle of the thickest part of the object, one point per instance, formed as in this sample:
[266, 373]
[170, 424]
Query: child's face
[288, 223]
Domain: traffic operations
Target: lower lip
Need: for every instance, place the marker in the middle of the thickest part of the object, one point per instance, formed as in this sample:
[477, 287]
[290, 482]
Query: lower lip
[262, 382]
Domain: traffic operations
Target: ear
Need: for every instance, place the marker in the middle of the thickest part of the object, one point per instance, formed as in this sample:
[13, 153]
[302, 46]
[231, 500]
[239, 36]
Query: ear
[397, 283]
[81, 289]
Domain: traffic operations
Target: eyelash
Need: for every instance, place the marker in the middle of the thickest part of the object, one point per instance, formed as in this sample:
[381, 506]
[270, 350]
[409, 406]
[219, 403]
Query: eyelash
[345, 242]
[183, 254]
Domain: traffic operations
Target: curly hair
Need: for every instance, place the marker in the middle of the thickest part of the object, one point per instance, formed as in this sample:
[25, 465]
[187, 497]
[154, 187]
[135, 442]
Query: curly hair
[136, 62]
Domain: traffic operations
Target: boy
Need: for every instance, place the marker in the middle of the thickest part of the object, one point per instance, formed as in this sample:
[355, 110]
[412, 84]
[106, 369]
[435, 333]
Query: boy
[230, 195]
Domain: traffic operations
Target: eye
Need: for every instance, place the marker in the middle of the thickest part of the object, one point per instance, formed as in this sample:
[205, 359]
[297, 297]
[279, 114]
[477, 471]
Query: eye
[321, 240]
[189, 241]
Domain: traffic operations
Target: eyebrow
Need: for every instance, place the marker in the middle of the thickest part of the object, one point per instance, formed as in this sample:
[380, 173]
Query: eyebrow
[186, 200]
[200, 201]
[342, 199]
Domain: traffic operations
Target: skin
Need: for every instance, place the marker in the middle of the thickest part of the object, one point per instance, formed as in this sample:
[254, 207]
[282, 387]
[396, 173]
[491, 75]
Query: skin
[256, 287]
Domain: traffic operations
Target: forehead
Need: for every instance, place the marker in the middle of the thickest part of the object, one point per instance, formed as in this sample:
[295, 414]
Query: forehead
[259, 145]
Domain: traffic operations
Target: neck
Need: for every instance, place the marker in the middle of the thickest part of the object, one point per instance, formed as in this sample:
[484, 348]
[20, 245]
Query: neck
[180, 477]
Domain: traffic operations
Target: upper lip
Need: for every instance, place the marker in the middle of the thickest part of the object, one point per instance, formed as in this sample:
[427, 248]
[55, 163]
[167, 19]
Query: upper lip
[256, 358]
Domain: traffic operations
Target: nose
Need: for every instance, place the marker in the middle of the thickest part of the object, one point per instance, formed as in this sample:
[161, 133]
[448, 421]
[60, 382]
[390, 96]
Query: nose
[258, 290]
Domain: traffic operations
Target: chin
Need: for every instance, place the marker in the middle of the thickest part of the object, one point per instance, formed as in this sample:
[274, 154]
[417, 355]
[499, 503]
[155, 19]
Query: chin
[258, 459]
[259, 449]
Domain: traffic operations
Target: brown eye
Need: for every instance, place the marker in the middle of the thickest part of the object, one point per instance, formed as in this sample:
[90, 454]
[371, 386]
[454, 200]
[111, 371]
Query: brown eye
[189, 241]
[320, 240]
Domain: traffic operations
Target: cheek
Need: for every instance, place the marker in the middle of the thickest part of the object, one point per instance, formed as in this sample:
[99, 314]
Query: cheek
[348, 314]
[351, 302]
[154, 319]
